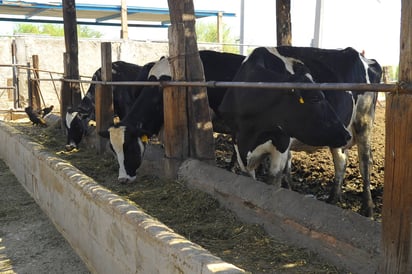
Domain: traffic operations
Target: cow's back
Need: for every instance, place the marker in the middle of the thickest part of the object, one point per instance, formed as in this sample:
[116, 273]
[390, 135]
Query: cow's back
[219, 66]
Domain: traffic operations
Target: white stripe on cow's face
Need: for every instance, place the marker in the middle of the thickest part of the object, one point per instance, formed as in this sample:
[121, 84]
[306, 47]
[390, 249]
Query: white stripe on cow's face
[366, 66]
[309, 77]
[239, 160]
[70, 117]
[142, 146]
[117, 141]
[288, 61]
[161, 68]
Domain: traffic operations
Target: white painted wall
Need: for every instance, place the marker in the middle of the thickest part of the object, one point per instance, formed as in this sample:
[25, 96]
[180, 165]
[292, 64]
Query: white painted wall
[50, 51]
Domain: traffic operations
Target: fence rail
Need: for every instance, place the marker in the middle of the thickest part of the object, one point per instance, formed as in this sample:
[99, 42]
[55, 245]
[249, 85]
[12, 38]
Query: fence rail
[395, 87]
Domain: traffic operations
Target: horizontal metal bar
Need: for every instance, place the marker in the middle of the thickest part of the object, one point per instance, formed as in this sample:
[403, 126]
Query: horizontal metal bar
[9, 87]
[396, 87]
[83, 22]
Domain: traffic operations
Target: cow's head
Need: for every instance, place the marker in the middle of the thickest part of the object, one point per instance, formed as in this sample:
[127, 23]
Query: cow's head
[78, 125]
[129, 144]
[307, 115]
[128, 137]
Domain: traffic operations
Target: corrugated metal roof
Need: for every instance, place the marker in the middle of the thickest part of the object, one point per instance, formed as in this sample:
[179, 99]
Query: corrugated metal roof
[91, 14]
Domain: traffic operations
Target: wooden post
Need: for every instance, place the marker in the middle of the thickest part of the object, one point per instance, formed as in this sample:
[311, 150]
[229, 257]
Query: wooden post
[220, 27]
[397, 196]
[104, 97]
[386, 74]
[34, 97]
[65, 91]
[16, 94]
[200, 134]
[124, 32]
[283, 23]
[10, 92]
[70, 37]
[176, 133]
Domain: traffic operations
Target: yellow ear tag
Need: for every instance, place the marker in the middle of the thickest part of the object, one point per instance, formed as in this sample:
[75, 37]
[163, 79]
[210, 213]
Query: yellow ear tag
[144, 139]
[301, 100]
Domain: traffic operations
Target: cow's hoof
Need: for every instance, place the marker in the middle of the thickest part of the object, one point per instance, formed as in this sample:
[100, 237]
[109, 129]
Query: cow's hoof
[333, 199]
[69, 147]
[367, 210]
[123, 181]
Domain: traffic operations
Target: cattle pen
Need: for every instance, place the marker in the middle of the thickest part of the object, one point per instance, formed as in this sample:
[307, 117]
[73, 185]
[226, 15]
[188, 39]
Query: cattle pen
[385, 251]
[313, 233]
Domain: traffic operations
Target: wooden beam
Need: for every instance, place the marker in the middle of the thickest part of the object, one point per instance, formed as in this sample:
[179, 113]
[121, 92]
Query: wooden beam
[124, 31]
[283, 23]
[200, 130]
[104, 97]
[65, 91]
[34, 96]
[16, 91]
[397, 196]
[176, 133]
[220, 27]
[71, 43]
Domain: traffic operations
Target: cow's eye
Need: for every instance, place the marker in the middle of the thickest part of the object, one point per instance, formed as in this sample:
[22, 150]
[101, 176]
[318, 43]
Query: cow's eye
[313, 97]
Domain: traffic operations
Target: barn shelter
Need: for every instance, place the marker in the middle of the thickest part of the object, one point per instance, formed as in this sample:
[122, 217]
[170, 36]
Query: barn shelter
[93, 14]
[100, 15]
[397, 211]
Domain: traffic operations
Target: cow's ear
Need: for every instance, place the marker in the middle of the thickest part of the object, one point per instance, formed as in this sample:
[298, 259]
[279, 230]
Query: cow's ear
[104, 134]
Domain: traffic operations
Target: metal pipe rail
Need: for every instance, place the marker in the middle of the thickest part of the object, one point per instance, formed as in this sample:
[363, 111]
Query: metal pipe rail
[398, 87]
[39, 70]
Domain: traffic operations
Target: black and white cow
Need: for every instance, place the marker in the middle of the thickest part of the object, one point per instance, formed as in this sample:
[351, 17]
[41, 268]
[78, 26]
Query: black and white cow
[79, 122]
[128, 137]
[268, 122]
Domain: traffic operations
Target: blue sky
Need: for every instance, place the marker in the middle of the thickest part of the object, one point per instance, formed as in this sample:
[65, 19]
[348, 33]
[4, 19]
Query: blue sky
[370, 25]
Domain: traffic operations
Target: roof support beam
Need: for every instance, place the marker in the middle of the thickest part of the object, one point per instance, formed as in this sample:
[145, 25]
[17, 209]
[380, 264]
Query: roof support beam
[71, 95]
[283, 23]
[124, 32]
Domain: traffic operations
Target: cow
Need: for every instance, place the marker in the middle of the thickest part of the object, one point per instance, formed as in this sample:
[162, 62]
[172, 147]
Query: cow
[80, 122]
[266, 122]
[128, 138]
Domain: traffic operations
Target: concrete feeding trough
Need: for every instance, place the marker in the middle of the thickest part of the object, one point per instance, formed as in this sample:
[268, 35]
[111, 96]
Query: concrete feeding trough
[108, 233]
[114, 236]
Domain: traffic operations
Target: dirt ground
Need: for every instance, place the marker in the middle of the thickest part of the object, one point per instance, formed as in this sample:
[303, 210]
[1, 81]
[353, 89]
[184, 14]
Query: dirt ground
[199, 217]
[29, 243]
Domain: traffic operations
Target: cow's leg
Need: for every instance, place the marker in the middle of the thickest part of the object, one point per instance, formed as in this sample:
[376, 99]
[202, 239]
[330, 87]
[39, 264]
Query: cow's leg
[278, 166]
[287, 179]
[242, 166]
[363, 125]
[340, 157]
[365, 162]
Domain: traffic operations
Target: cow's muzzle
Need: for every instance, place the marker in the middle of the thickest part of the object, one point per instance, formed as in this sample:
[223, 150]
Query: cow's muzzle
[70, 147]
[126, 180]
